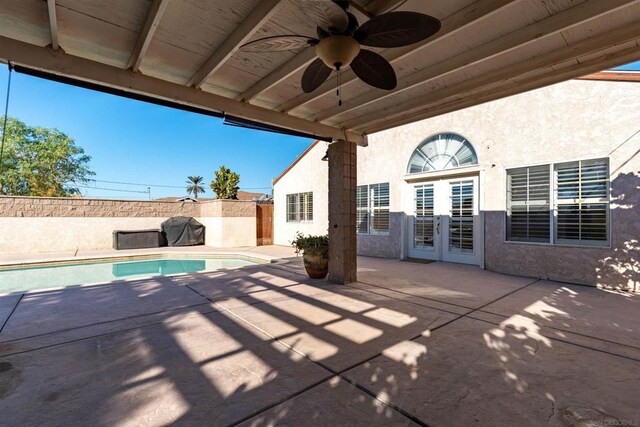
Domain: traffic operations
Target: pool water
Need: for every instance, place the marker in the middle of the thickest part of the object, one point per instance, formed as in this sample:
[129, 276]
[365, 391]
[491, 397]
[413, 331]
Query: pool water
[24, 279]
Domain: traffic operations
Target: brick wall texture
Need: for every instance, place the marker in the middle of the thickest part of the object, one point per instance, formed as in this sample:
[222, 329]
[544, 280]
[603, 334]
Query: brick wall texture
[99, 208]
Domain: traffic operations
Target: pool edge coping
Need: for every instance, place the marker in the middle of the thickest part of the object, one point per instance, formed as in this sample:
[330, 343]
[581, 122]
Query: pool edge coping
[247, 256]
[259, 260]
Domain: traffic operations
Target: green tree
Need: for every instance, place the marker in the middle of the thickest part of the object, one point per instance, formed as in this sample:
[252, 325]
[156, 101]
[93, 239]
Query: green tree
[225, 183]
[41, 162]
[195, 185]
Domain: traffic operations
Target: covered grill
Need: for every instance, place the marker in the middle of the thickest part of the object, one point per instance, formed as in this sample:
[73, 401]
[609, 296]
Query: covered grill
[183, 231]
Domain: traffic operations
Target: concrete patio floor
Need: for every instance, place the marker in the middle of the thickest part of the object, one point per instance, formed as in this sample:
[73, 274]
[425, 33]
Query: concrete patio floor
[409, 344]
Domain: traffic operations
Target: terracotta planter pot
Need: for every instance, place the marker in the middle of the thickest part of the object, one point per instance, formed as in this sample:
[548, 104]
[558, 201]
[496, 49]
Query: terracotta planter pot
[316, 264]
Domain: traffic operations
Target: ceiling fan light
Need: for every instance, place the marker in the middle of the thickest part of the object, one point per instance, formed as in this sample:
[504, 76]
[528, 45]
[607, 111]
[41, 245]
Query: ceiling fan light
[337, 52]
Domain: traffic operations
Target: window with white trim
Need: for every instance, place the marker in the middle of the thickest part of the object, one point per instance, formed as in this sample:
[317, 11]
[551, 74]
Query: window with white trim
[582, 204]
[442, 151]
[529, 204]
[372, 209]
[300, 207]
[574, 211]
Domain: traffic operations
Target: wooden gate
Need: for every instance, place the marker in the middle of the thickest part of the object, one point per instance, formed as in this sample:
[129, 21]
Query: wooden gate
[264, 224]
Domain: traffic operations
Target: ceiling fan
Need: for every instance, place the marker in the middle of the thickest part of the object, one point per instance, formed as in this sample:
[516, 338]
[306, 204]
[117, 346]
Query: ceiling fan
[340, 39]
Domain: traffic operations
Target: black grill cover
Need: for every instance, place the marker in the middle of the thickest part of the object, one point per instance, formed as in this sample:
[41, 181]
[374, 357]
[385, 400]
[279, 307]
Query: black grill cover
[183, 231]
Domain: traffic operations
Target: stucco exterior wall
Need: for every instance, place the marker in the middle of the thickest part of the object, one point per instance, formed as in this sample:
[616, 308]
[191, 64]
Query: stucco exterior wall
[39, 224]
[564, 122]
[309, 174]
[569, 121]
[229, 223]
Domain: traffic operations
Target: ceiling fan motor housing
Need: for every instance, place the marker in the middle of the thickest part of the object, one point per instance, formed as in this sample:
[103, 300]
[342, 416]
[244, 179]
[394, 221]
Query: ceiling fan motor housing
[340, 37]
[337, 52]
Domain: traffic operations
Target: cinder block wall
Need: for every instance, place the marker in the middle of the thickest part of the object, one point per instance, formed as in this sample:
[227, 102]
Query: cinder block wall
[35, 207]
[229, 223]
[43, 224]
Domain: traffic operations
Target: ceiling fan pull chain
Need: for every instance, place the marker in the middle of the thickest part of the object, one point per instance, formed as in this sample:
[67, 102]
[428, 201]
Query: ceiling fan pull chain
[339, 87]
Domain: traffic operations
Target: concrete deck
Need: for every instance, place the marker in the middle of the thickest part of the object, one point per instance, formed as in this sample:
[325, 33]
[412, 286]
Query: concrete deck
[409, 344]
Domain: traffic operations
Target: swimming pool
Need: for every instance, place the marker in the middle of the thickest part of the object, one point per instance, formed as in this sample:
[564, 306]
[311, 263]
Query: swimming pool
[55, 275]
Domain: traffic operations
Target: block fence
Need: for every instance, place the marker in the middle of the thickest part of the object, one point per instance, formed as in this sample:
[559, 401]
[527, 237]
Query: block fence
[47, 224]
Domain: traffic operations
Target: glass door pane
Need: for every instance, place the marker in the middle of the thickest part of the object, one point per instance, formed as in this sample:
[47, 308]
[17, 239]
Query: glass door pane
[461, 217]
[424, 217]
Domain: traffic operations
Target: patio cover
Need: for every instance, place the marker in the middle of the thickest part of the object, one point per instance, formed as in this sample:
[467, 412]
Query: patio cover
[185, 53]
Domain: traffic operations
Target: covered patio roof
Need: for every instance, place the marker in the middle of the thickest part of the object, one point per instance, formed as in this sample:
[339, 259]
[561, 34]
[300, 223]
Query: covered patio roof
[186, 52]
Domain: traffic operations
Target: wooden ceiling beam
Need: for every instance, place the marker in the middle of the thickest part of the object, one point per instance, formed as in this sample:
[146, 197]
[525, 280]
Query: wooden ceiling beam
[378, 7]
[360, 9]
[517, 86]
[278, 75]
[146, 35]
[555, 24]
[61, 64]
[304, 58]
[450, 25]
[252, 23]
[53, 24]
[545, 60]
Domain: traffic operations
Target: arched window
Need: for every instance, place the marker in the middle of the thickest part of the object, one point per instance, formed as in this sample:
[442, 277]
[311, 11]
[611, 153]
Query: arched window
[442, 151]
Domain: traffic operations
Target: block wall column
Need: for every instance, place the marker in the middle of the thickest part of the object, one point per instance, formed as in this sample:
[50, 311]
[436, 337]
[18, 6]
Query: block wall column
[342, 212]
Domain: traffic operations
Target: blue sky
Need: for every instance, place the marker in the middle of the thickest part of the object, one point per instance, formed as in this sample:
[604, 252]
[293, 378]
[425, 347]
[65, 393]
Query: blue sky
[133, 141]
[136, 142]
[634, 66]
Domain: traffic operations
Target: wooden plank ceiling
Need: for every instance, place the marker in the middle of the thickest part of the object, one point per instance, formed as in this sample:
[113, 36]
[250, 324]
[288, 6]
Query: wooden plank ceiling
[186, 51]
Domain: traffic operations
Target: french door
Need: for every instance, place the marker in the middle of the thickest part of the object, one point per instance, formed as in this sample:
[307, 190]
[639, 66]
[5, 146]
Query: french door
[444, 224]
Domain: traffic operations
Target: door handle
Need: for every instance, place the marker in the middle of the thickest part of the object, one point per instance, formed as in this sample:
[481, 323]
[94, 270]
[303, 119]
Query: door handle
[438, 225]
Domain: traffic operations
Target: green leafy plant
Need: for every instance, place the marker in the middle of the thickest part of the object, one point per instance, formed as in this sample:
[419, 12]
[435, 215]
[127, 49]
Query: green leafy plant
[225, 183]
[195, 185]
[312, 244]
[38, 161]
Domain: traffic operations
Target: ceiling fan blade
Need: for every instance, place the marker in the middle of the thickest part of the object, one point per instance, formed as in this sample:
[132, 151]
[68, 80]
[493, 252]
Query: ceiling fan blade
[279, 43]
[374, 70]
[395, 29]
[326, 14]
[322, 34]
[315, 74]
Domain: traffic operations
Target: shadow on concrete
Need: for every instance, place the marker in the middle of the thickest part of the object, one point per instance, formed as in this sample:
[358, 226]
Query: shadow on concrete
[213, 348]
[266, 345]
[548, 353]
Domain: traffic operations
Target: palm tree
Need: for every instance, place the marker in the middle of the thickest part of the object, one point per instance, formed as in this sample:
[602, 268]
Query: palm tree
[195, 185]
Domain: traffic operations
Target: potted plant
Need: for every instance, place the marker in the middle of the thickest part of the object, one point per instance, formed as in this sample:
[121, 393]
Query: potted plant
[315, 254]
